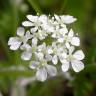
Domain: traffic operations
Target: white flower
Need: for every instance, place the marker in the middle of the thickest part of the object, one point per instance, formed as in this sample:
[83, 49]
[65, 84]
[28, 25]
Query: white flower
[41, 34]
[74, 59]
[41, 73]
[36, 22]
[43, 69]
[64, 19]
[26, 54]
[43, 19]
[22, 37]
[74, 40]
[33, 22]
[69, 39]
[28, 50]
[58, 52]
[59, 32]
[14, 43]
[48, 26]
[46, 51]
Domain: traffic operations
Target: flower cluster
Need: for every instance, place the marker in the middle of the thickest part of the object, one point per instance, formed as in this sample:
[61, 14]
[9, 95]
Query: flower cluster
[46, 41]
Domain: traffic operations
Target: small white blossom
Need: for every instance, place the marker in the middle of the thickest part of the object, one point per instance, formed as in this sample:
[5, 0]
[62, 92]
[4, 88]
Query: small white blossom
[22, 37]
[28, 50]
[42, 34]
[14, 43]
[69, 38]
[58, 52]
[43, 69]
[74, 59]
[45, 51]
[36, 23]
[64, 19]
[59, 32]
[41, 73]
[33, 22]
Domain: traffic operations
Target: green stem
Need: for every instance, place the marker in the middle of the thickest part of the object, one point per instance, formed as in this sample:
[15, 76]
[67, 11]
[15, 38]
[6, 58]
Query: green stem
[15, 25]
[16, 71]
[35, 6]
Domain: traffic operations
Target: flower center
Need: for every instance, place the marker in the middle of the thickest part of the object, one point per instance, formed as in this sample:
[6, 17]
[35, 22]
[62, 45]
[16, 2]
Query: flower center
[70, 58]
[43, 62]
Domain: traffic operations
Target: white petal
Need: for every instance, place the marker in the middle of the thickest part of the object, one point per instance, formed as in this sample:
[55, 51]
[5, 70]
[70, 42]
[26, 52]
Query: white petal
[42, 47]
[71, 33]
[62, 57]
[52, 71]
[67, 45]
[49, 50]
[34, 29]
[63, 31]
[55, 59]
[32, 18]
[20, 31]
[14, 43]
[26, 47]
[46, 27]
[41, 74]
[40, 55]
[11, 40]
[57, 17]
[49, 28]
[60, 40]
[71, 49]
[27, 23]
[53, 35]
[79, 55]
[67, 19]
[43, 19]
[15, 46]
[65, 66]
[54, 44]
[34, 41]
[77, 65]
[48, 57]
[26, 56]
[34, 64]
[41, 35]
[28, 35]
[75, 41]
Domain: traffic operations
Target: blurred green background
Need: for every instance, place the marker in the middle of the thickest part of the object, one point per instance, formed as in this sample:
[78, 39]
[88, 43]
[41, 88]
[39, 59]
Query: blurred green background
[15, 77]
